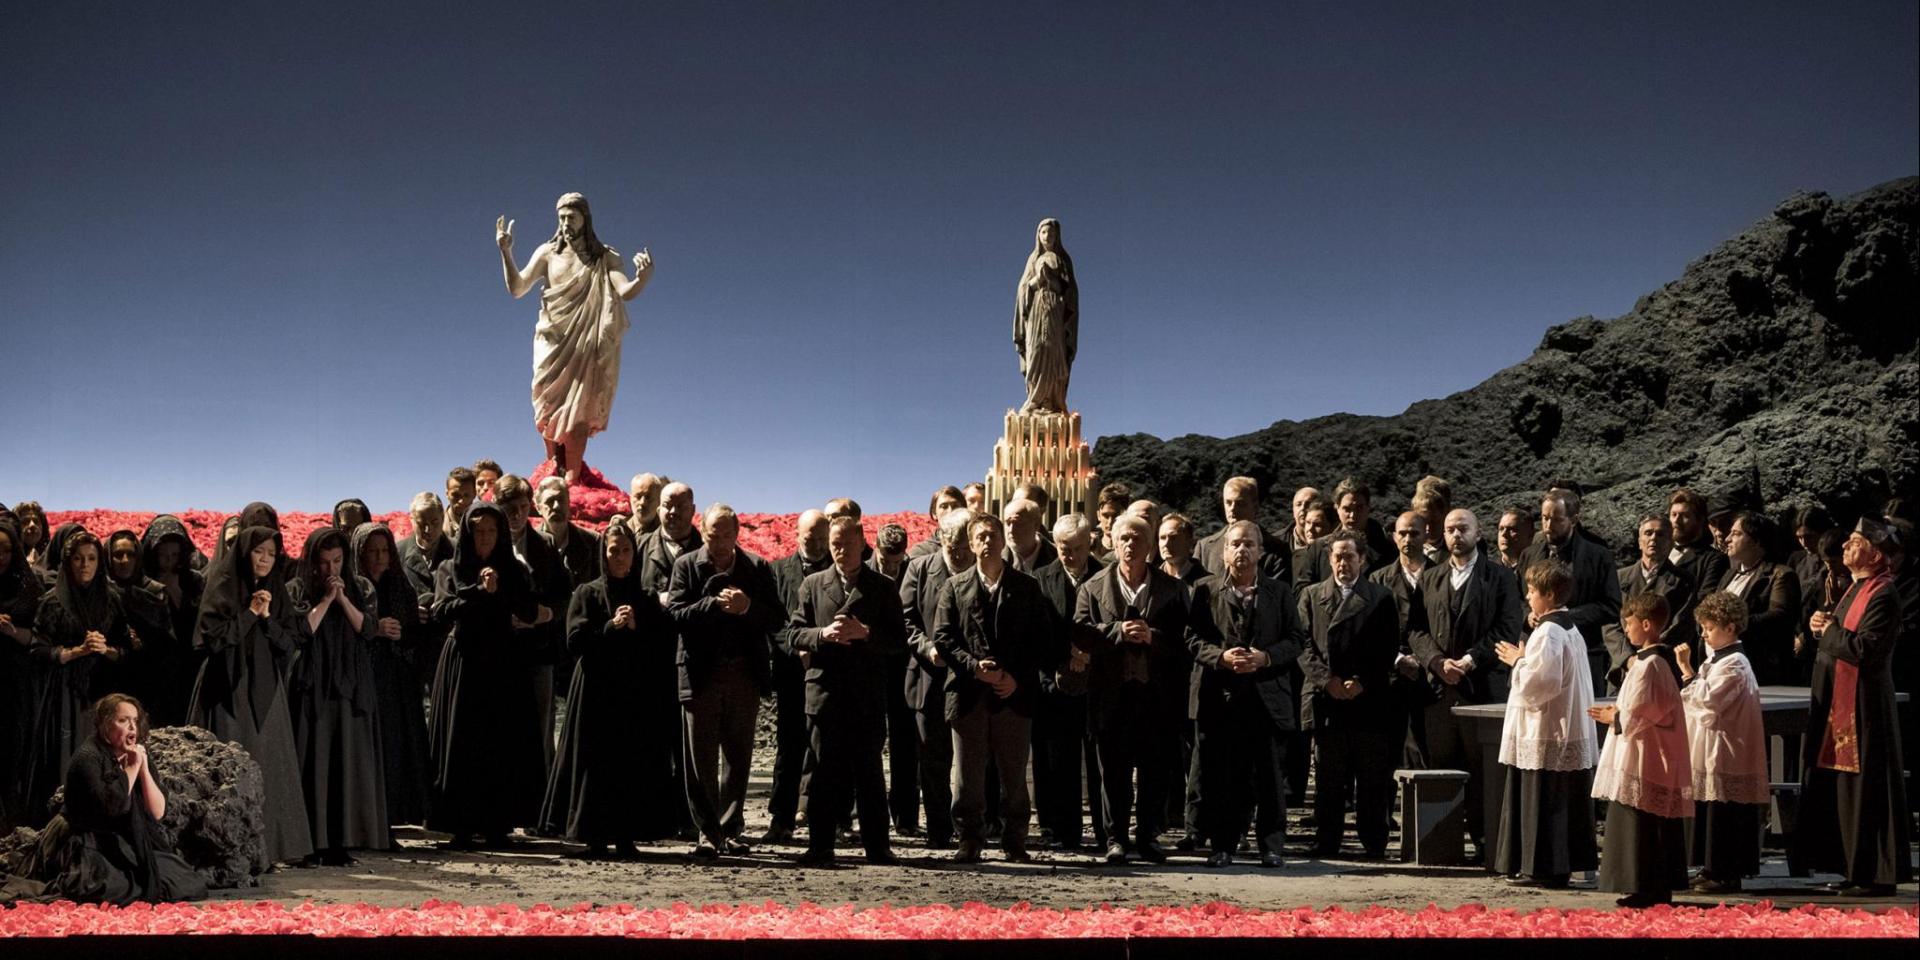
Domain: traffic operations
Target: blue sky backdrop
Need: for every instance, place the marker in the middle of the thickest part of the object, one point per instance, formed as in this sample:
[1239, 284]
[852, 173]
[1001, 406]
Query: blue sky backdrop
[246, 249]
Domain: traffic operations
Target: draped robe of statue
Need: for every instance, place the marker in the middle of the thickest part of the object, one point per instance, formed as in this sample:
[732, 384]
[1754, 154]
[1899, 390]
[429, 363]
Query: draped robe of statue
[1046, 327]
[576, 348]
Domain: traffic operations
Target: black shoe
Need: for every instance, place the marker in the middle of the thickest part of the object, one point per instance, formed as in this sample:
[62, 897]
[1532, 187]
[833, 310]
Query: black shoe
[624, 851]
[1866, 890]
[846, 838]
[1713, 887]
[882, 858]
[1272, 860]
[704, 851]
[939, 843]
[1220, 858]
[497, 841]
[309, 861]
[1187, 844]
[777, 836]
[337, 858]
[1116, 854]
[1323, 851]
[907, 829]
[1640, 901]
[735, 847]
[969, 852]
[822, 859]
[1017, 853]
[1151, 851]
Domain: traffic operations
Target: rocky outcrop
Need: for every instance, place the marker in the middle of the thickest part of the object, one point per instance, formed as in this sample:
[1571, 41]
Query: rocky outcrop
[1779, 370]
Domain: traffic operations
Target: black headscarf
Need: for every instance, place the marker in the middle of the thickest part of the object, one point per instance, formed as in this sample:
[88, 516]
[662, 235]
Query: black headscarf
[230, 587]
[91, 605]
[394, 592]
[312, 586]
[622, 590]
[350, 501]
[467, 562]
[338, 667]
[14, 578]
[220, 544]
[167, 527]
[56, 547]
[139, 575]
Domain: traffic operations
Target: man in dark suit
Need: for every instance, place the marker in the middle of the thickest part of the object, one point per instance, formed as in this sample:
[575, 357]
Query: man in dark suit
[927, 671]
[789, 675]
[849, 623]
[1244, 637]
[1693, 554]
[1467, 605]
[945, 500]
[1027, 546]
[1652, 573]
[1353, 503]
[1240, 500]
[727, 607]
[577, 547]
[889, 559]
[653, 560]
[1177, 561]
[1137, 678]
[1595, 601]
[994, 627]
[1411, 691]
[1062, 748]
[1771, 592]
[1347, 669]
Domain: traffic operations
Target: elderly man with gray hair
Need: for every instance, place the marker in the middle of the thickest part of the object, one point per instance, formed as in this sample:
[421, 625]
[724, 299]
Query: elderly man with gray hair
[1061, 747]
[1027, 547]
[727, 607]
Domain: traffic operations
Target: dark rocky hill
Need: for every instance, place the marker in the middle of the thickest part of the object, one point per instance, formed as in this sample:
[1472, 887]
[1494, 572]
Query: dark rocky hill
[1779, 370]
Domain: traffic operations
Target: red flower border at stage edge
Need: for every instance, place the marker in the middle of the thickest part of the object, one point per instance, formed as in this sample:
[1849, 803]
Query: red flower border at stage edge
[972, 921]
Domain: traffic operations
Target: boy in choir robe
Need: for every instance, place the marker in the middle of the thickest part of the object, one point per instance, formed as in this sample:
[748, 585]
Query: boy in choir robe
[1727, 743]
[1644, 767]
[1547, 742]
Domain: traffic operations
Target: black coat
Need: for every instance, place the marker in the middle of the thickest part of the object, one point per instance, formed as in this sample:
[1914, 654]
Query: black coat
[580, 557]
[1100, 609]
[1772, 596]
[919, 600]
[1016, 632]
[1276, 557]
[1064, 596]
[707, 632]
[1315, 563]
[1668, 581]
[1045, 554]
[1595, 601]
[848, 677]
[654, 561]
[1490, 612]
[1355, 639]
[1274, 627]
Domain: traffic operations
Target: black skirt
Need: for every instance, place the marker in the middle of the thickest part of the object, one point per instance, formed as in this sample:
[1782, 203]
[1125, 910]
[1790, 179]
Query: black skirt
[1726, 839]
[1645, 853]
[1546, 824]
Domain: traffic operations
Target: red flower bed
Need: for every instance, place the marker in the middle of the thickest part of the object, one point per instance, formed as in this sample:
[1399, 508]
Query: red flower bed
[972, 921]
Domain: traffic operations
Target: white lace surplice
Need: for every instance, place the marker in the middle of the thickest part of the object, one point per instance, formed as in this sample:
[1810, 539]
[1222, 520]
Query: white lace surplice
[1726, 737]
[576, 351]
[1547, 727]
[1645, 764]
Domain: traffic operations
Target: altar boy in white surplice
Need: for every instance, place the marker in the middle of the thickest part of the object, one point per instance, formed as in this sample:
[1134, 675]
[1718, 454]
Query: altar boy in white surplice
[1728, 742]
[1644, 768]
[1547, 745]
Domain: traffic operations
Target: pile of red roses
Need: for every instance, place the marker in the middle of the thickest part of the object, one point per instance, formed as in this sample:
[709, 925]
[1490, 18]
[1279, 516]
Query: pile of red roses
[971, 921]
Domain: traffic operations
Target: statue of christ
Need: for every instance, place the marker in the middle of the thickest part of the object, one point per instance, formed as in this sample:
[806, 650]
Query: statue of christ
[583, 315]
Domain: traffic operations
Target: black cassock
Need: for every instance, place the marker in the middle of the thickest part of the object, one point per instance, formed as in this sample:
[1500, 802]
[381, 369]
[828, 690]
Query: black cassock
[489, 766]
[105, 847]
[241, 696]
[613, 777]
[396, 680]
[144, 601]
[1854, 821]
[336, 717]
[67, 690]
[20, 601]
[172, 665]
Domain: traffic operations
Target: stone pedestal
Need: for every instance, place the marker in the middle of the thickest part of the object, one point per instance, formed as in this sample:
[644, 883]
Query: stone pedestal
[1043, 449]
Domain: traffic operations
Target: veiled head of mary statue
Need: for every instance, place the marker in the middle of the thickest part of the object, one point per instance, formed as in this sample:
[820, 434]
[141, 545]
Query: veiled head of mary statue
[1047, 235]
